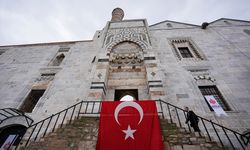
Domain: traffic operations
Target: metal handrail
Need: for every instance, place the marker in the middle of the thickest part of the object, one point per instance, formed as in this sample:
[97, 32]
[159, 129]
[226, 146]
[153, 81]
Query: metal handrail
[8, 113]
[246, 137]
[49, 124]
[215, 126]
[42, 127]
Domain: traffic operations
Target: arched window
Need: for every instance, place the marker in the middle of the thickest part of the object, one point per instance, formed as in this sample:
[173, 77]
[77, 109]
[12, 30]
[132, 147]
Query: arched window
[57, 60]
[247, 31]
[227, 22]
[127, 98]
[169, 25]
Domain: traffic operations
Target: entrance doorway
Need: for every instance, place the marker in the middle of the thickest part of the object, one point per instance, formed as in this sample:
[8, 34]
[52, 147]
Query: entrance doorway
[126, 94]
[11, 135]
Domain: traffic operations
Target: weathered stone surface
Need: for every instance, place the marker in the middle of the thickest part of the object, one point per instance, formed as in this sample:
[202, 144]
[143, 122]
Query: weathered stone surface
[80, 135]
[220, 58]
[191, 147]
[181, 139]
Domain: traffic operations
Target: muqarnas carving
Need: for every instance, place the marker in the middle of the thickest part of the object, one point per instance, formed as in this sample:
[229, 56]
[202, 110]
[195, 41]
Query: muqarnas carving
[126, 53]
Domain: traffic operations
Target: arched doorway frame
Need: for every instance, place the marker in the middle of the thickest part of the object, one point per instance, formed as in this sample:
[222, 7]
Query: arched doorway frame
[120, 93]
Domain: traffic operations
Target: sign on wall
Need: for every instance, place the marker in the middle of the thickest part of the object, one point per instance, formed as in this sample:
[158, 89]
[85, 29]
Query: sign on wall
[215, 105]
[8, 142]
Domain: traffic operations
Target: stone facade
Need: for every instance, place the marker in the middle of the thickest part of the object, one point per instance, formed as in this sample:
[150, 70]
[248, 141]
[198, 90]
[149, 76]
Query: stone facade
[129, 54]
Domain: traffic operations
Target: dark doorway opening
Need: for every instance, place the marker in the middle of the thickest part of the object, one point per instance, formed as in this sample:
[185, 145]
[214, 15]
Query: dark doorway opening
[119, 94]
[31, 101]
[11, 135]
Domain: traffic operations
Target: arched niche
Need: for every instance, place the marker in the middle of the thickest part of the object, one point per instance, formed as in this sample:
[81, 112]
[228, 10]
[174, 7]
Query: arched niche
[126, 47]
[127, 98]
[126, 54]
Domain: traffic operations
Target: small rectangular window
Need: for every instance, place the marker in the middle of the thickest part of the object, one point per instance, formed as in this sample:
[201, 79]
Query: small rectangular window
[149, 58]
[2, 51]
[63, 49]
[103, 60]
[31, 100]
[57, 60]
[185, 52]
[213, 91]
[93, 60]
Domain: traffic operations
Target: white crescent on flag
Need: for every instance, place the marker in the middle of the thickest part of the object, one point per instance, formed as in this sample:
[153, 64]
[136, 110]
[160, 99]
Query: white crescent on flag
[128, 104]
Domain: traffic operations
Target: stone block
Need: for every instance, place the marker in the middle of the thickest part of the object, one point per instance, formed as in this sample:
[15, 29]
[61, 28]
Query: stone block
[191, 147]
[208, 145]
[177, 147]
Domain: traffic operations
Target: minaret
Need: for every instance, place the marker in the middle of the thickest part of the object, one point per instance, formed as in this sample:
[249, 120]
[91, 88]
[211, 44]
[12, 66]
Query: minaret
[117, 14]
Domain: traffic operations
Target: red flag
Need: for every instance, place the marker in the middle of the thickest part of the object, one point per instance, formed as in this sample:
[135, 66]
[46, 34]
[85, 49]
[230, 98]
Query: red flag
[132, 125]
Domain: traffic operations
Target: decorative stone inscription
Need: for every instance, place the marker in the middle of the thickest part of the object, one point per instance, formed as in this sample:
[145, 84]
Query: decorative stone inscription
[137, 35]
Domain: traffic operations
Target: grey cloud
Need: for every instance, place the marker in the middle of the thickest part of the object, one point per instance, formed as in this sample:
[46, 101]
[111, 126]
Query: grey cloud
[23, 21]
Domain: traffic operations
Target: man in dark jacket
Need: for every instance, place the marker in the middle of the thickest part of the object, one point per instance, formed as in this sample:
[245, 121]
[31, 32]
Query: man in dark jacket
[194, 120]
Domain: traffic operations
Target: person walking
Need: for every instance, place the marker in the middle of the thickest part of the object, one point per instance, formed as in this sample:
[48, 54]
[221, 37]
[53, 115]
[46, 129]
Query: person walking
[194, 120]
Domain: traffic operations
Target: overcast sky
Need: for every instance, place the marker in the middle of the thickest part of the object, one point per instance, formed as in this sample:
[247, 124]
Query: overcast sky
[39, 21]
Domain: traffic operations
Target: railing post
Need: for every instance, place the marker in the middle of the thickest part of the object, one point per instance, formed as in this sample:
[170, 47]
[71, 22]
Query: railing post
[217, 133]
[72, 114]
[228, 137]
[79, 110]
[48, 125]
[169, 113]
[4, 115]
[56, 122]
[162, 109]
[64, 117]
[239, 141]
[86, 109]
[247, 136]
[187, 123]
[100, 105]
[93, 107]
[206, 129]
[8, 112]
[178, 117]
[30, 135]
[39, 130]
[16, 111]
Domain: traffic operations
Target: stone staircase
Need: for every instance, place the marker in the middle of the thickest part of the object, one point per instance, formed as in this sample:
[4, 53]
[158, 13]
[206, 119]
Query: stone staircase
[176, 138]
[82, 133]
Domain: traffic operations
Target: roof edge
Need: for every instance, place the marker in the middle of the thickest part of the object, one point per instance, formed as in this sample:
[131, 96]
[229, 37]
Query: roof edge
[174, 22]
[229, 19]
[199, 25]
[49, 43]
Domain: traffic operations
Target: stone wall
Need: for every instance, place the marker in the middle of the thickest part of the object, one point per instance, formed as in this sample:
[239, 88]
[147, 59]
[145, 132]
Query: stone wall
[226, 53]
[85, 73]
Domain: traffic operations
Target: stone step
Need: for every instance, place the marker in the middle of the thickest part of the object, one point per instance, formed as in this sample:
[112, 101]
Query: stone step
[82, 133]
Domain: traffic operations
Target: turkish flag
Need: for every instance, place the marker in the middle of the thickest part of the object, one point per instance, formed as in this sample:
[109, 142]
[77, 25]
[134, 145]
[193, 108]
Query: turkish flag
[129, 125]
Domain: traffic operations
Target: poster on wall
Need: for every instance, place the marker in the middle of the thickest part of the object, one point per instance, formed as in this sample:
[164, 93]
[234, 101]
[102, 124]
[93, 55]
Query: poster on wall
[8, 142]
[215, 105]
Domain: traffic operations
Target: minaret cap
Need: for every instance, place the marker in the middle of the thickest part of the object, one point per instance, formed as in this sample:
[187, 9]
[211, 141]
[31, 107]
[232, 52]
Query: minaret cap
[117, 14]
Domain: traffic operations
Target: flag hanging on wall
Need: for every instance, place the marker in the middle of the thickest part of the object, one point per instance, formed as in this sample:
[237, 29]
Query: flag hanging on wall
[129, 125]
[215, 105]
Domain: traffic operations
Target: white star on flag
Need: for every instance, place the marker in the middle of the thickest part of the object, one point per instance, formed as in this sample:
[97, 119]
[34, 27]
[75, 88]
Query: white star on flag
[129, 133]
